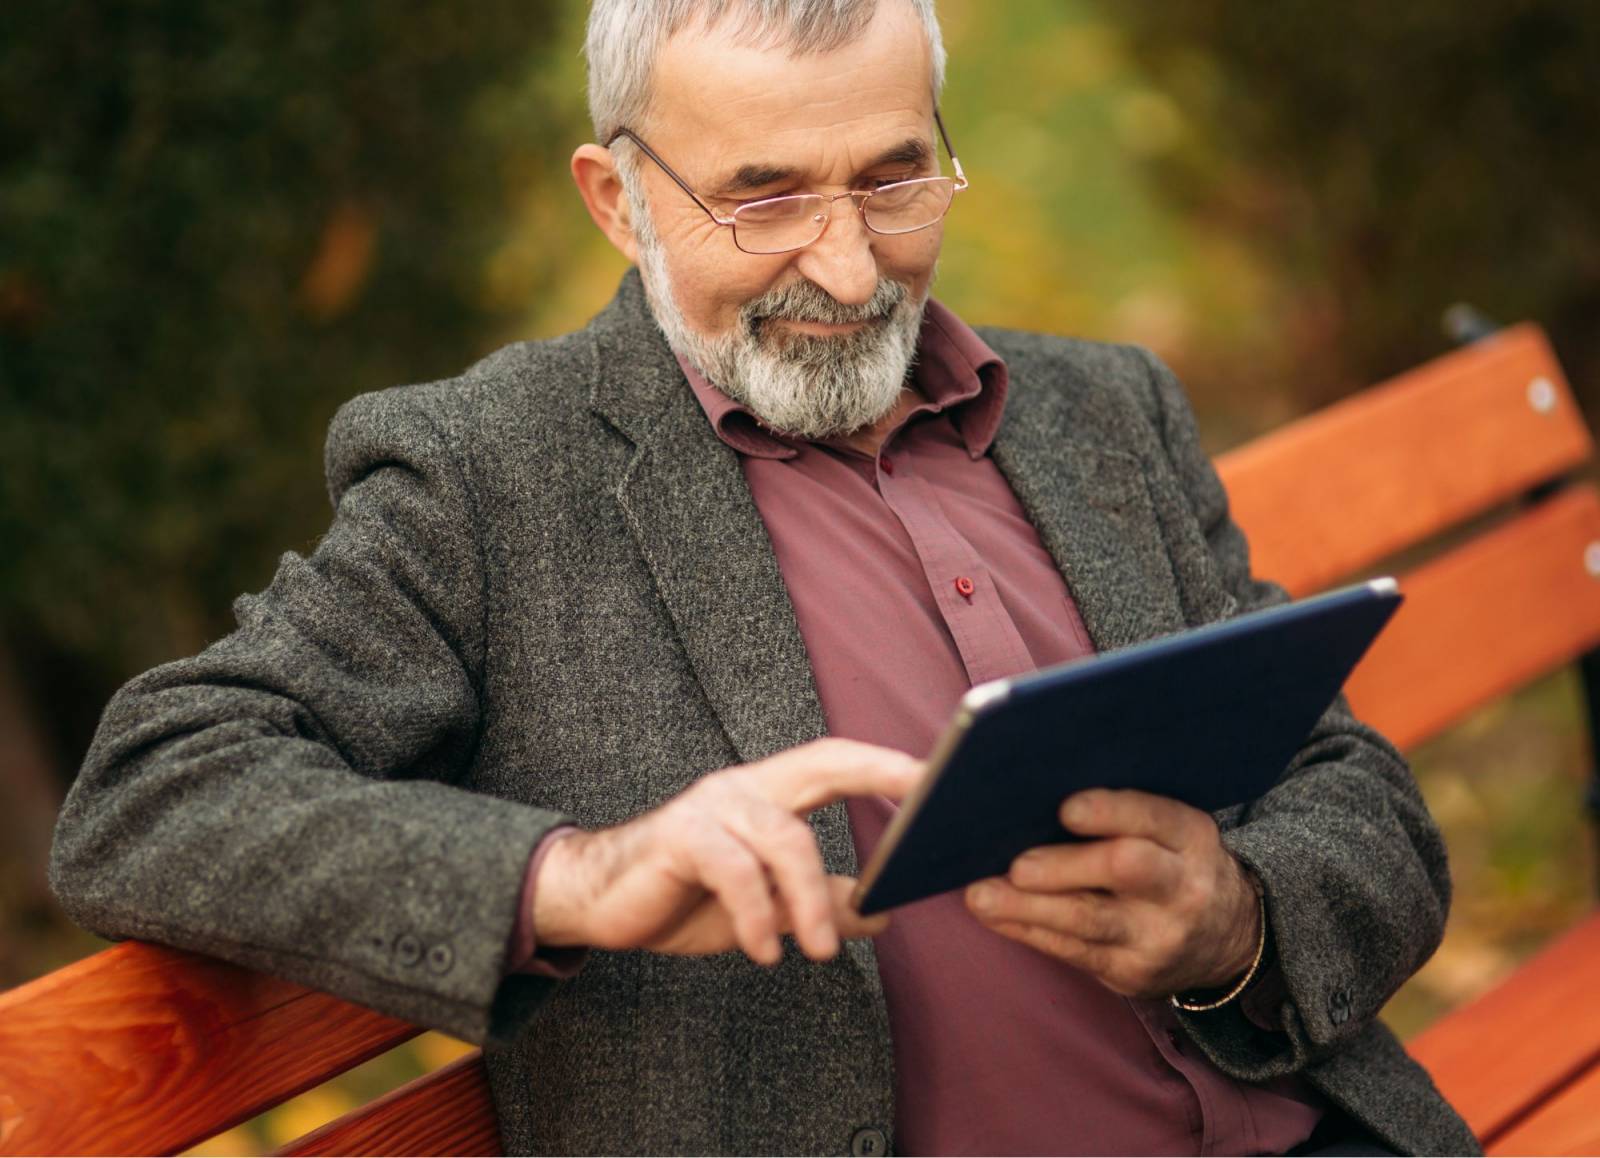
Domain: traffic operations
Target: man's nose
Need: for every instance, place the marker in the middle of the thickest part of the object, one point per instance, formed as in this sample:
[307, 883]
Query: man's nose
[842, 260]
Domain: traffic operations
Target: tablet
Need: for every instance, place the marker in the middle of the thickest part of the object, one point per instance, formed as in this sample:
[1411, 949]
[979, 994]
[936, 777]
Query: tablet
[1210, 716]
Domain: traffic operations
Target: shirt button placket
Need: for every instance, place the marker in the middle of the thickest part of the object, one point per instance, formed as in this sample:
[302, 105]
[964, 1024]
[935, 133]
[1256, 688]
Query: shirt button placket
[869, 1142]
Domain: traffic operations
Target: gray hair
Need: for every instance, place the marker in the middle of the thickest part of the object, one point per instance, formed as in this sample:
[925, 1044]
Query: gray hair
[625, 35]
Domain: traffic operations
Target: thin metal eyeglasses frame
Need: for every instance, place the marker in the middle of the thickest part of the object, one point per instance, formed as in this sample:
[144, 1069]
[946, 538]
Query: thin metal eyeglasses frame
[859, 197]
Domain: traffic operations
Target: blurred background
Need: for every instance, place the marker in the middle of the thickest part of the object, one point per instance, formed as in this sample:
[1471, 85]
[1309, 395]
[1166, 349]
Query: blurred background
[220, 220]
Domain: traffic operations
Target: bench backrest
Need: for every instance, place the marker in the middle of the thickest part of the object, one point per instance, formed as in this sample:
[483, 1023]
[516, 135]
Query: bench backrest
[143, 1049]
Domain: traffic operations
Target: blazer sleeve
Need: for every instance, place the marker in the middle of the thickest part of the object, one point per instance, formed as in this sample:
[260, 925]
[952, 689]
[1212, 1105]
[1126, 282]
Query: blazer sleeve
[1354, 870]
[291, 798]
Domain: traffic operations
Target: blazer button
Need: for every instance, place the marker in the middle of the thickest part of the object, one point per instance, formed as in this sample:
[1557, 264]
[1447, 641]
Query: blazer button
[407, 949]
[440, 958]
[869, 1142]
[1339, 1006]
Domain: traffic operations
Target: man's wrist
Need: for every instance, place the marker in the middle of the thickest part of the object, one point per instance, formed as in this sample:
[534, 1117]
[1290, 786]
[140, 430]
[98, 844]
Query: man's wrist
[1205, 1000]
[555, 914]
[1248, 925]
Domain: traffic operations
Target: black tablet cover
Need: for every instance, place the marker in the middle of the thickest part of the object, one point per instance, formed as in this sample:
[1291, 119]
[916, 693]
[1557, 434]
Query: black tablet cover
[1210, 716]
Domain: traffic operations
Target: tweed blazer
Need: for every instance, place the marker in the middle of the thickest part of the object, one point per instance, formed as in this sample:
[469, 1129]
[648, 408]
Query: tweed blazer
[546, 595]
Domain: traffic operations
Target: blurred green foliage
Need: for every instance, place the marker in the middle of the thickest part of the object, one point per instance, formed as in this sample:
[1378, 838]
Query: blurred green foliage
[1391, 159]
[218, 220]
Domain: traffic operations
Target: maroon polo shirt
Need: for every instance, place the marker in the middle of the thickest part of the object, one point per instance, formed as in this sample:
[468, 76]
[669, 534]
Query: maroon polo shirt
[915, 575]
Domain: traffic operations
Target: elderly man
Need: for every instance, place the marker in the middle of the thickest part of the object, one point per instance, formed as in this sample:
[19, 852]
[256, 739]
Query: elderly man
[529, 749]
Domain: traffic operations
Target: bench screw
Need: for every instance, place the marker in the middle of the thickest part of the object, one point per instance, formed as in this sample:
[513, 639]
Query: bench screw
[1542, 395]
[1591, 559]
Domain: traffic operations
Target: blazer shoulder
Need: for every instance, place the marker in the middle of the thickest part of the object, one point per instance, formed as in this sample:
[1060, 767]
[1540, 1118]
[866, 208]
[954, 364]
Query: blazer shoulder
[525, 386]
[1096, 375]
[521, 404]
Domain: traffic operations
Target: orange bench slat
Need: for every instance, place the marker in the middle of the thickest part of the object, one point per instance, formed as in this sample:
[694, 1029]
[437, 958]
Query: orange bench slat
[1484, 619]
[1568, 1123]
[445, 1112]
[1524, 1041]
[1332, 493]
[141, 1049]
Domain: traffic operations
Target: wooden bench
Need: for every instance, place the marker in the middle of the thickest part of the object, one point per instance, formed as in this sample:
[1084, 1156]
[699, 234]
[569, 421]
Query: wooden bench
[141, 1049]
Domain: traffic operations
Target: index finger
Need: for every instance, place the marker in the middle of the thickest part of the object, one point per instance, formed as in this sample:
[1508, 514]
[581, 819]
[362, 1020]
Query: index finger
[803, 779]
[1128, 812]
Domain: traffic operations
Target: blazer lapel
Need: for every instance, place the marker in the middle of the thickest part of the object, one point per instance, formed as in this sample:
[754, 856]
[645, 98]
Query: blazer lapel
[1092, 508]
[686, 503]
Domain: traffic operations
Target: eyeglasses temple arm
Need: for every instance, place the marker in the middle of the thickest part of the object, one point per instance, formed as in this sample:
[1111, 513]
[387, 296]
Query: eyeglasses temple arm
[667, 169]
[955, 161]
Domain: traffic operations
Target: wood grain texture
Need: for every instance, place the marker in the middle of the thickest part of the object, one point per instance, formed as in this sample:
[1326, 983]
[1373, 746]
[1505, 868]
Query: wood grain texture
[1484, 619]
[445, 1112]
[146, 1050]
[1339, 490]
[1568, 1123]
[1524, 1042]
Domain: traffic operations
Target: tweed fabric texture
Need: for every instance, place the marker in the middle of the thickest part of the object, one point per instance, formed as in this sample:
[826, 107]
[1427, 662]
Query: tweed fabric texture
[546, 596]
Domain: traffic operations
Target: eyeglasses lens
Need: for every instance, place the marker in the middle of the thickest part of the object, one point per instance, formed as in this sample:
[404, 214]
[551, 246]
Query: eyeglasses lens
[907, 206]
[779, 224]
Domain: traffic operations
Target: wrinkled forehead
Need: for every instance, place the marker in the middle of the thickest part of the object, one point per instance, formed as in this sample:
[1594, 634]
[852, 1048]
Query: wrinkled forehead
[718, 100]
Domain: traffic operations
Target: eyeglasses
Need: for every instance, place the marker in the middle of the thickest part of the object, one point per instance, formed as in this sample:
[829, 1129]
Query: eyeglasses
[782, 224]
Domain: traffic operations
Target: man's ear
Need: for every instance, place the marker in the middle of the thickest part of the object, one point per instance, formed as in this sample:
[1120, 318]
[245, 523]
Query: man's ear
[594, 171]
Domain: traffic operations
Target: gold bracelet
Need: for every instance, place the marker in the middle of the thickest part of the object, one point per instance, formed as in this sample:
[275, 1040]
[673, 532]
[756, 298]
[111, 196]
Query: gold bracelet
[1244, 982]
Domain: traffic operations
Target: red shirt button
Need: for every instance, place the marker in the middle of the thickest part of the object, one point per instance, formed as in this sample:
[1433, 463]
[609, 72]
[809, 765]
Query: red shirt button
[887, 464]
[965, 587]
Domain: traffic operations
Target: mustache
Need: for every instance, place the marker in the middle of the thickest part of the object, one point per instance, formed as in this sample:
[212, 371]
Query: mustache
[806, 301]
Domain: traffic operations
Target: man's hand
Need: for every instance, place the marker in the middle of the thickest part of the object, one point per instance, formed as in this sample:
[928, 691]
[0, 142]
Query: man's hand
[728, 863]
[1156, 906]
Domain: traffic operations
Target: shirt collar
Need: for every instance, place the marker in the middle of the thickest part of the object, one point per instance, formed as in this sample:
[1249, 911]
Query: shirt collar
[955, 370]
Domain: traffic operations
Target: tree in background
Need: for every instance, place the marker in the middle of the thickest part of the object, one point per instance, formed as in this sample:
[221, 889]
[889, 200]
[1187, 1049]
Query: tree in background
[1390, 159]
[220, 220]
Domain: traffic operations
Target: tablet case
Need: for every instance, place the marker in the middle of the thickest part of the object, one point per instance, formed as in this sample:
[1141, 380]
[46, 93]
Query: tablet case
[1210, 716]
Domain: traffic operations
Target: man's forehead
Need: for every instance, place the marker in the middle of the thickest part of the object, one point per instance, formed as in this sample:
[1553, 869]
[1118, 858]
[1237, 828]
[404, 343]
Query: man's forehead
[739, 108]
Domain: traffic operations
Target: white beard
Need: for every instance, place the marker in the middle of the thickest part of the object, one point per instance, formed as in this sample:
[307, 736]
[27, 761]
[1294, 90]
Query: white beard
[806, 385]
